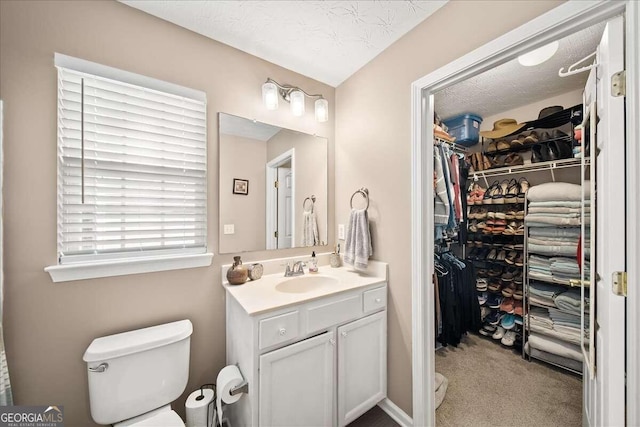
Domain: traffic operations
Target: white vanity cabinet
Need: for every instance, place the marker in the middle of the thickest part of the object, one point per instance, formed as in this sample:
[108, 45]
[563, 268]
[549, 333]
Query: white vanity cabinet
[317, 363]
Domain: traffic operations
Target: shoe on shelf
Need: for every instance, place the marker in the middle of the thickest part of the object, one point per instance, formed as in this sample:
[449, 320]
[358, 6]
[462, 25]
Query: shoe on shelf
[499, 333]
[487, 199]
[511, 257]
[481, 284]
[494, 318]
[517, 279]
[492, 255]
[482, 298]
[518, 309]
[508, 291]
[509, 338]
[531, 138]
[508, 321]
[495, 272]
[487, 329]
[501, 255]
[493, 301]
[517, 294]
[518, 141]
[501, 215]
[507, 305]
[519, 322]
[484, 312]
[501, 190]
[513, 159]
[523, 186]
[494, 287]
[519, 261]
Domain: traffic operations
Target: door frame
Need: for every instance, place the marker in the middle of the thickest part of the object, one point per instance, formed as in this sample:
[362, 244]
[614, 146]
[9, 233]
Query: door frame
[559, 22]
[272, 202]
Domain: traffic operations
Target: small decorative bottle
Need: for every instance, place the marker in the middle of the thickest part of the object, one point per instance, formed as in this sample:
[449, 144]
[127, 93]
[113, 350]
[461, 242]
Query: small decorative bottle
[237, 273]
[313, 263]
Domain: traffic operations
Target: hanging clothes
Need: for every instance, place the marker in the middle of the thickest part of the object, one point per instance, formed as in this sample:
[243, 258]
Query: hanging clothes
[459, 307]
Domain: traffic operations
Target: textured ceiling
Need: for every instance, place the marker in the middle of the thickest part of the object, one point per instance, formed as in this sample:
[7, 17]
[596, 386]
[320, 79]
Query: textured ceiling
[512, 85]
[325, 40]
[239, 126]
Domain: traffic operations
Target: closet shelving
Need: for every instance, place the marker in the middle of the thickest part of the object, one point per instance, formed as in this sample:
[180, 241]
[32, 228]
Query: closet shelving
[550, 166]
[528, 304]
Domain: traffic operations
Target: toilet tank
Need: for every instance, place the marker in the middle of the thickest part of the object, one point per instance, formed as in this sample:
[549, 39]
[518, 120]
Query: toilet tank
[137, 371]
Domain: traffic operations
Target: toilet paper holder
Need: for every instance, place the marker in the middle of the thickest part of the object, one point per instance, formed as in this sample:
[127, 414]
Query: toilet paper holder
[240, 388]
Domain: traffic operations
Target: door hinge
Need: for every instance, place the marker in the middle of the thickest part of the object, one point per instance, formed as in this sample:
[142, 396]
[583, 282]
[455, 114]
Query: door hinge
[276, 184]
[619, 283]
[619, 84]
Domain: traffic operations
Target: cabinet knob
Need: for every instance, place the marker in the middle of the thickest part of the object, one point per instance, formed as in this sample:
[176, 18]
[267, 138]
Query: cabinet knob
[344, 333]
[378, 300]
[282, 331]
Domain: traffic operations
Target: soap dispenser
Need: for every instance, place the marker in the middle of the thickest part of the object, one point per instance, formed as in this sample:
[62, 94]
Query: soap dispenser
[313, 263]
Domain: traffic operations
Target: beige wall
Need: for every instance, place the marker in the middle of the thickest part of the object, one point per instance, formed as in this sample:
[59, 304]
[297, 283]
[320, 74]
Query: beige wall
[373, 145]
[310, 175]
[48, 326]
[244, 158]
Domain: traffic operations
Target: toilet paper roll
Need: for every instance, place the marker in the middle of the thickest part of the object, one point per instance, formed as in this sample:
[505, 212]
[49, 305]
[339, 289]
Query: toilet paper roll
[228, 378]
[200, 411]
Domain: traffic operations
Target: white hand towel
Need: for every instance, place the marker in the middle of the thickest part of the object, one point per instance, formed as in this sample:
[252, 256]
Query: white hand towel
[310, 234]
[358, 247]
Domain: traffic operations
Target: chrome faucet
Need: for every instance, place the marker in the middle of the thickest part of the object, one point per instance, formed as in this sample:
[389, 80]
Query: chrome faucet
[296, 270]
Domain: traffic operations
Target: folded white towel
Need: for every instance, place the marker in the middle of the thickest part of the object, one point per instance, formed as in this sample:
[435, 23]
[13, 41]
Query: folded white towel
[310, 234]
[358, 246]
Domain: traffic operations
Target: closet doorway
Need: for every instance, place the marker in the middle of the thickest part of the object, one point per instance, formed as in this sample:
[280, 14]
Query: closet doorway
[603, 355]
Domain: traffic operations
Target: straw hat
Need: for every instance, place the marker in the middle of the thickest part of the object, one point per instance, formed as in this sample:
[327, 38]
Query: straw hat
[503, 127]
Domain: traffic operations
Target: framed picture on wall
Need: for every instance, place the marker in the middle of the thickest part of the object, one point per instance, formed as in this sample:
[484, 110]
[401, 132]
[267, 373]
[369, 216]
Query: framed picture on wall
[241, 186]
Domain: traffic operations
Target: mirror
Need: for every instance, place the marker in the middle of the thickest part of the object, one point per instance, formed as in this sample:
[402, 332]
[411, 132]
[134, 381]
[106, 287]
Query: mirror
[273, 187]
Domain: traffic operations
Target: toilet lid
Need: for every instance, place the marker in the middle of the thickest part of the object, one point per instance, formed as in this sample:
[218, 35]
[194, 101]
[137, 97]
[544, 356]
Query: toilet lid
[163, 419]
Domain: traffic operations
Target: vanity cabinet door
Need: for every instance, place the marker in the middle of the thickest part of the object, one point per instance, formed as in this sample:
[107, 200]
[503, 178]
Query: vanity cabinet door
[297, 383]
[362, 366]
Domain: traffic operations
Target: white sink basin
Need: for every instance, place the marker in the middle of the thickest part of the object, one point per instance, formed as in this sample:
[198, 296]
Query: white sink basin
[302, 284]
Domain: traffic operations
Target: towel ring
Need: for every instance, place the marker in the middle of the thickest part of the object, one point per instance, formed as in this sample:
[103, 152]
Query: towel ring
[364, 192]
[312, 199]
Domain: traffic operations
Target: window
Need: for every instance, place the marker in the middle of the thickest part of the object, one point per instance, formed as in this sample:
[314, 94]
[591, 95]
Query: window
[132, 166]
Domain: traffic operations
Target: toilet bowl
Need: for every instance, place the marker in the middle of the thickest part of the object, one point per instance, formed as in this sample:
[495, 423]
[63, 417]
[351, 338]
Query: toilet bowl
[134, 376]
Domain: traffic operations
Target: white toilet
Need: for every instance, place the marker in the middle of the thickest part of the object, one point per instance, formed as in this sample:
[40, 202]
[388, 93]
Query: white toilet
[134, 376]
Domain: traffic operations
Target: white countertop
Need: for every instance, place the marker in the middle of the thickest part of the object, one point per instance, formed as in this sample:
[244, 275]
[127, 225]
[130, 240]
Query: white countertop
[260, 296]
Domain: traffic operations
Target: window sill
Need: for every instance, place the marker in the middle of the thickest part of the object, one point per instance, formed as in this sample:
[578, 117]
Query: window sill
[121, 267]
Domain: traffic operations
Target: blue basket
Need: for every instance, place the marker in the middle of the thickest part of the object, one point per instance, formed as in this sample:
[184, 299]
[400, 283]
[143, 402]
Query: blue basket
[465, 128]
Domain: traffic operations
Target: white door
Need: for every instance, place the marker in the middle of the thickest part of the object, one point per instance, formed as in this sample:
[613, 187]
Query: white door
[362, 366]
[604, 387]
[297, 383]
[285, 208]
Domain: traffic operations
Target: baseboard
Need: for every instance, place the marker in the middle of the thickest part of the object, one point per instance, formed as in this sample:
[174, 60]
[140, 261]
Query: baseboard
[396, 413]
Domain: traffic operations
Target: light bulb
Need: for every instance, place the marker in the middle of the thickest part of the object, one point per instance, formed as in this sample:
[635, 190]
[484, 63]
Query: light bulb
[322, 110]
[296, 98]
[270, 96]
[539, 55]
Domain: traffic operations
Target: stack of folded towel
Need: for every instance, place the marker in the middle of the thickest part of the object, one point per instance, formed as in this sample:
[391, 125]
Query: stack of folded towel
[554, 215]
[543, 293]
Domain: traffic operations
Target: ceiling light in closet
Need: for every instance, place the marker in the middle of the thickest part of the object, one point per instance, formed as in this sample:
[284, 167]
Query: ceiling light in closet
[539, 55]
[295, 96]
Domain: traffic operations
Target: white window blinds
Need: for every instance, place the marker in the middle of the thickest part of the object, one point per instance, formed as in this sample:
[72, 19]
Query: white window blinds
[131, 170]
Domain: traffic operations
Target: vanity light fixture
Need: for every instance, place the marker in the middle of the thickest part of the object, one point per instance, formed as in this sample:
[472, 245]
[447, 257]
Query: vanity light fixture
[539, 55]
[296, 97]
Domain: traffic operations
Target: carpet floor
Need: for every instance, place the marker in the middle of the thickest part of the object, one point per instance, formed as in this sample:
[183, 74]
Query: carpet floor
[490, 385]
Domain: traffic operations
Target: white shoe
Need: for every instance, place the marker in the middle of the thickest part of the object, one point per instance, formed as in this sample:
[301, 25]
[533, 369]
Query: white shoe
[499, 333]
[509, 338]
